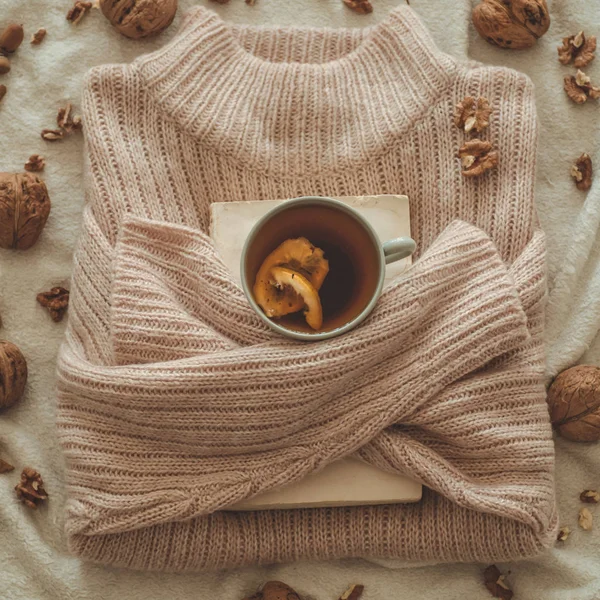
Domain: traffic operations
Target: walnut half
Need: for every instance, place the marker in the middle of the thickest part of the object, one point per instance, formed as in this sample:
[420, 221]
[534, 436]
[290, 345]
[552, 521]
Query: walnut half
[30, 490]
[472, 114]
[56, 301]
[477, 157]
[579, 88]
[577, 48]
[361, 7]
[581, 172]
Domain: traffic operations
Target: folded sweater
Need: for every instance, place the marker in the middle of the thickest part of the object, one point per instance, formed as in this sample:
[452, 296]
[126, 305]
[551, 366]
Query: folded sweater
[175, 400]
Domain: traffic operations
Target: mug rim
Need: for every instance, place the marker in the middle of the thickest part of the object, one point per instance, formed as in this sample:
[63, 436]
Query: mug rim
[318, 335]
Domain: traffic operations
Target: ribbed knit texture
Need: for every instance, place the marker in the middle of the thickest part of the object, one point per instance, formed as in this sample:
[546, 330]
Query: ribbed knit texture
[175, 400]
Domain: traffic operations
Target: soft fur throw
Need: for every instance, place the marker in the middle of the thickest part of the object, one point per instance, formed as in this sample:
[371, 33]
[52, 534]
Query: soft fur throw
[176, 401]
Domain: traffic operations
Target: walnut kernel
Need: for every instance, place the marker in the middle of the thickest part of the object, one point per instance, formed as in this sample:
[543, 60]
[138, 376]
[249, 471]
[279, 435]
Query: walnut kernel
[354, 592]
[563, 534]
[2, 92]
[38, 37]
[586, 520]
[494, 582]
[579, 88]
[477, 157]
[78, 11]
[52, 135]
[275, 590]
[577, 48]
[30, 490]
[581, 172]
[66, 121]
[13, 374]
[472, 114]
[590, 496]
[24, 209]
[4, 65]
[56, 301]
[139, 18]
[361, 7]
[35, 164]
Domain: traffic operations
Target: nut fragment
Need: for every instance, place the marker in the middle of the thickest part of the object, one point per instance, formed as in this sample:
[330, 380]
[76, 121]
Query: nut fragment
[590, 496]
[56, 301]
[477, 157]
[563, 534]
[275, 590]
[250, 2]
[577, 48]
[52, 135]
[4, 65]
[139, 18]
[472, 114]
[78, 11]
[354, 592]
[574, 403]
[38, 36]
[2, 91]
[581, 172]
[65, 120]
[512, 24]
[579, 88]
[30, 490]
[13, 374]
[35, 164]
[11, 38]
[5, 467]
[494, 582]
[586, 519]
[361, 7]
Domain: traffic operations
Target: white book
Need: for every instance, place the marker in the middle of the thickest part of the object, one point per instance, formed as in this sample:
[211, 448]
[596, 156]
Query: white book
[346, 482]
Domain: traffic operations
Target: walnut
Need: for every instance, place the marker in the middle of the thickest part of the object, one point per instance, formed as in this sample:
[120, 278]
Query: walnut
[563, 534]
[581, 172]
[494, 582]
[11, 38]
[362, 7]
[477, 157]
[472, 114]
[579, 88]
[38, 37]
[24, 209]
[35, 164]
[2, 91]
[586, 520]
[250, 2]
[4, 65]
[577, 48]
[513, 24]
[56, 301]
[5, 467]
[590, 496]
[78, 11]
[139, 18]
[13, 374]
[354, 592]
[52, 135]
[574, 403]
[66, 121]
[30, 490]
[275, 590]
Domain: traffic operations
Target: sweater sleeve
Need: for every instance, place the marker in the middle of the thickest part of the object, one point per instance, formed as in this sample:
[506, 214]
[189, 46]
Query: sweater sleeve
[261, 409]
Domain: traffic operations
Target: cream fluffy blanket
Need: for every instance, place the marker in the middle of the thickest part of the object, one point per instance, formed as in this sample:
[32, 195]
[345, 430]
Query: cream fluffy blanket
[32, 552]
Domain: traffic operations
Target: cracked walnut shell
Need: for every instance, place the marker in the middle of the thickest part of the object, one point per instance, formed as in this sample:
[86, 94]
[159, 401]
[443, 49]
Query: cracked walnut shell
[139, 18]
[24, 209]
[513, 24]
[577, 48]
[574, 403]
[13, 374]
[30, 490]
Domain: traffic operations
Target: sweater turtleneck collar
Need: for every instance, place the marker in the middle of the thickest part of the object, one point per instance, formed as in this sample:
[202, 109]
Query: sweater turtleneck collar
[297, 101]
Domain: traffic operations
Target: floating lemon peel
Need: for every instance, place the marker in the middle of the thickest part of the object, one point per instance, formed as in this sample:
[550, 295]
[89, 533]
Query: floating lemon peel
[289, 280]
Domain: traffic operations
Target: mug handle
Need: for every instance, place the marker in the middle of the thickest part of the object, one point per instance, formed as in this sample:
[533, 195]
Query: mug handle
[398, 248]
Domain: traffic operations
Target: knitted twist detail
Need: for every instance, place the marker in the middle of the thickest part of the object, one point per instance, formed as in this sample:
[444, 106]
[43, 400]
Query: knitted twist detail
[175, 400]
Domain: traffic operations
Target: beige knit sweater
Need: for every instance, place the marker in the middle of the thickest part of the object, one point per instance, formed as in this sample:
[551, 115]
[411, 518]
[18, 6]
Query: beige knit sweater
[175, 401]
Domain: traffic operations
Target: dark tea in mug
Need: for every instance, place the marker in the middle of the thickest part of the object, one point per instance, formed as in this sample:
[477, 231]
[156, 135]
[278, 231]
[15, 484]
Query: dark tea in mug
[353, 256]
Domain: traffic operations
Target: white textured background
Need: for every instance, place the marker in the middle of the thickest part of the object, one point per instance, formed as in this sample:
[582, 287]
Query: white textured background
[33, 560]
